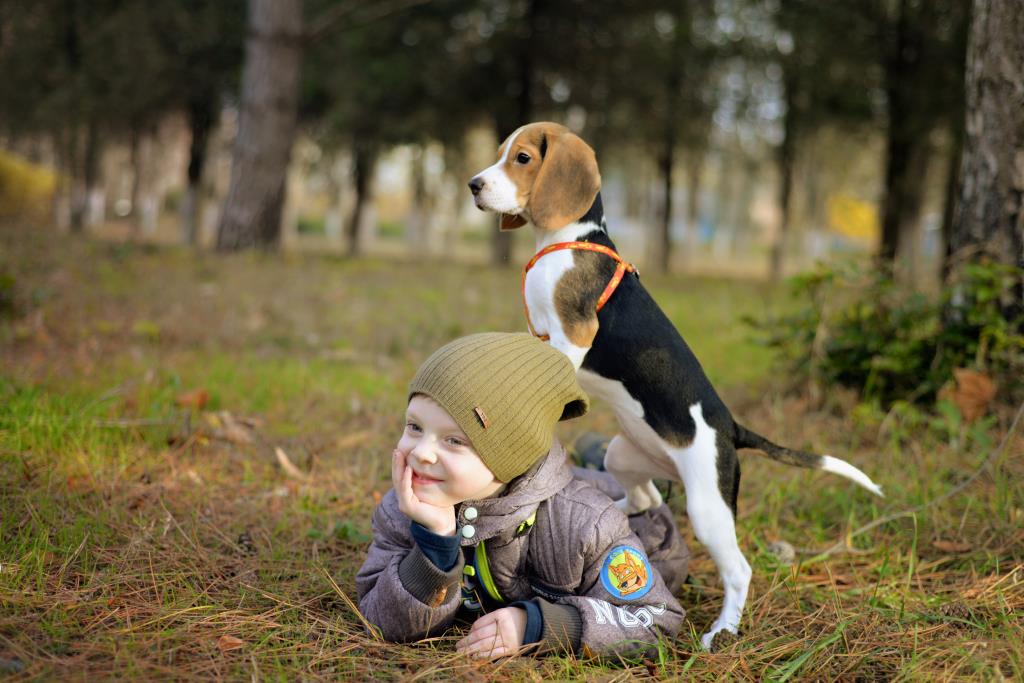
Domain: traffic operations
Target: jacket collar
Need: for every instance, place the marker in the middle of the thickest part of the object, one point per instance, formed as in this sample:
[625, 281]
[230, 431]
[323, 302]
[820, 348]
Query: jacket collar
[545, 478]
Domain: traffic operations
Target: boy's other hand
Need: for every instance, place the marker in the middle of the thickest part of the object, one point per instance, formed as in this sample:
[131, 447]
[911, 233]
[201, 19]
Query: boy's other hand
[497, 634]
[440, 520]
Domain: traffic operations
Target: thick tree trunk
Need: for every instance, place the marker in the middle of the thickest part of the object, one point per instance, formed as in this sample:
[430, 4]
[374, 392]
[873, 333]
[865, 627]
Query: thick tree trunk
[989, 219]
[200, 119]
[266, 127]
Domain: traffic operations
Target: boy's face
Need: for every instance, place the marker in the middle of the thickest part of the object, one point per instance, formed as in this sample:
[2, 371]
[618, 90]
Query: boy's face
[445, 469]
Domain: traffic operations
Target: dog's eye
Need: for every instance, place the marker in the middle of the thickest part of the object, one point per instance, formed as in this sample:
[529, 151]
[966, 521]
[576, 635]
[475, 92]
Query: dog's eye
[523, 158]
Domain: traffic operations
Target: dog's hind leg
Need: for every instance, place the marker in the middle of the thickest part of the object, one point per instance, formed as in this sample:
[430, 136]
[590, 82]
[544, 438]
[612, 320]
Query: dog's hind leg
[702, 465]
[632, 468]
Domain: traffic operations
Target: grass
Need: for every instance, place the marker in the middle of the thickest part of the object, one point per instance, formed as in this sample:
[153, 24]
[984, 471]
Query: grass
[144, 539]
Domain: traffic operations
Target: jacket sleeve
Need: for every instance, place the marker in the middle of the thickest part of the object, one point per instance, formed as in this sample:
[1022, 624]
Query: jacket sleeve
[621, 605]
[400, 590]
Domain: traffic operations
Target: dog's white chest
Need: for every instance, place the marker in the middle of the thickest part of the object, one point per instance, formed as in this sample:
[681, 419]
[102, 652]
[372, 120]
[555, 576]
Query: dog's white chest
[541, 281]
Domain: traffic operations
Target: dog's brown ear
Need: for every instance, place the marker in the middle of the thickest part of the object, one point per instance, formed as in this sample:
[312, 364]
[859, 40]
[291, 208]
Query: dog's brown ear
[511, 221]
[567, 182]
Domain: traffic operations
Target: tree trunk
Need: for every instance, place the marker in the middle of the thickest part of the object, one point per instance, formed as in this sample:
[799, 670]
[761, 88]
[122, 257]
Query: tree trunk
[454, 185]
[989, 219]
[786, 160]
[951, 198]
[694, 167]
[200, 119]
[662, 256]
[901, 68]
[90, 174]
[76, 188]
[667, 158]
[418, 223]
[501, 243]
[362, 171]
[266, 126]
[906, 265]
[138, 166]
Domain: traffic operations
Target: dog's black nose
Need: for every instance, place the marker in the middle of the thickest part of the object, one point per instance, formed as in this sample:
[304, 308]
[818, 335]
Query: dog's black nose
[475, 185]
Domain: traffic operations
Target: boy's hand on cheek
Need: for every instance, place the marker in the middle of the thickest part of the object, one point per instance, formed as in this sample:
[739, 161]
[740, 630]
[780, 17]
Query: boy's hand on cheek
[440, 520]
[498, 634]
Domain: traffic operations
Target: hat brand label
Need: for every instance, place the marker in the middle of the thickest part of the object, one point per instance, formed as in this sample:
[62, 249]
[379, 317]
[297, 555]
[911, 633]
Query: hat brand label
[482, 416]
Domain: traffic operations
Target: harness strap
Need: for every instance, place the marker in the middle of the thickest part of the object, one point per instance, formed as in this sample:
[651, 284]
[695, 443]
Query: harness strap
[620, 270]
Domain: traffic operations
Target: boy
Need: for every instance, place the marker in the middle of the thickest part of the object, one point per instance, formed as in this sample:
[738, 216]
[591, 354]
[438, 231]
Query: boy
[486, 517]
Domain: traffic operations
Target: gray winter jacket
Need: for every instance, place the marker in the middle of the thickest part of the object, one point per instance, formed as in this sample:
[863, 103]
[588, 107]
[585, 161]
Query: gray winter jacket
[551, 539]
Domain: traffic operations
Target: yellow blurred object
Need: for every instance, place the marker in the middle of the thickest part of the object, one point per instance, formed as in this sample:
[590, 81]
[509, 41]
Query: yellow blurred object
[25, 188]
[853, 218]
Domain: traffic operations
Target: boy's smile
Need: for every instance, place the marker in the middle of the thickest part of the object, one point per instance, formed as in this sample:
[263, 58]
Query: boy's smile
[423, 480]
[445, 469]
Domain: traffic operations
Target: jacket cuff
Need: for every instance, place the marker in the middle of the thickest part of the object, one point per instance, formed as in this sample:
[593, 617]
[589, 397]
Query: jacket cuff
[562, 629]
[534, 621]
[443, 551]
[426, 582]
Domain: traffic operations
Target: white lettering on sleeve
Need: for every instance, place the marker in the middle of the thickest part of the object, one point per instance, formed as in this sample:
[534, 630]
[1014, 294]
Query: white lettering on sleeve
[606, 613]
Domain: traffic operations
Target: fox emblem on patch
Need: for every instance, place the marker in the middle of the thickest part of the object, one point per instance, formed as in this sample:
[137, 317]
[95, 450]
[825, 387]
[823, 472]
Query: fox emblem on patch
[626, 573]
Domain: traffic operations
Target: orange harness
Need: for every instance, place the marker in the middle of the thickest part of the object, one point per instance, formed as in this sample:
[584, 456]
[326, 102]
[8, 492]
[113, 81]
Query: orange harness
[620, 271]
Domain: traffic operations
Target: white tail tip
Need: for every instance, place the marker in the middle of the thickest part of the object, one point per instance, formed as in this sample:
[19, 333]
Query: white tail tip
[845, 469]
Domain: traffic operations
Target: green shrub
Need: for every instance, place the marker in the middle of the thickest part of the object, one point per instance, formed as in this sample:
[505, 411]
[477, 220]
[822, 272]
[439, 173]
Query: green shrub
[857, 328]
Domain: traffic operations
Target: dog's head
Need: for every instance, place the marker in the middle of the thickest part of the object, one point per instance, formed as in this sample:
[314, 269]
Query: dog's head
[544, 174]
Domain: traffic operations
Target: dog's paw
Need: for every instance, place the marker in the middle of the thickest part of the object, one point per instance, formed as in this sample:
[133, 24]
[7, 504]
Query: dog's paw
[719, 639]
[629, 506]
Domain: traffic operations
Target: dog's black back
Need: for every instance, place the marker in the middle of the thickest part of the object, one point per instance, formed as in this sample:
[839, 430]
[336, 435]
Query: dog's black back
[637, 345]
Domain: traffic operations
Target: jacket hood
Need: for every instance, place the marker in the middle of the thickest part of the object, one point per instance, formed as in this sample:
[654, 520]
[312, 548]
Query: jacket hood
[522, 495]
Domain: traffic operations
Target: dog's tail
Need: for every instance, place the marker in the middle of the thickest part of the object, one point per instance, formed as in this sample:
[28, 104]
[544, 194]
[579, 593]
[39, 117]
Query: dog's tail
[746, 438]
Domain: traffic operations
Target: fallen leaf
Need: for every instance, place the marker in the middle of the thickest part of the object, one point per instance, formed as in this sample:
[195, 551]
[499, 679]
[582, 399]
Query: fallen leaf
[951, 546]
[232, 429]
[195, 399]
[289, 468]
[377, 497]
[973, 394]
[227, 643]
[348, 441]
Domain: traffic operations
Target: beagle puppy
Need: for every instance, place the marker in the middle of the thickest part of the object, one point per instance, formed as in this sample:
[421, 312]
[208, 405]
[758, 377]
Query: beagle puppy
[627, 352]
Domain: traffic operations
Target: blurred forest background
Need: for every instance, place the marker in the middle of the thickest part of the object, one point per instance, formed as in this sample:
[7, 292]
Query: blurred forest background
[756, 136]
[230, 231]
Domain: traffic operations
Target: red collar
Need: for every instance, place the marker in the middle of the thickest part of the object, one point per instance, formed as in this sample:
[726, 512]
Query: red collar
[620, 271]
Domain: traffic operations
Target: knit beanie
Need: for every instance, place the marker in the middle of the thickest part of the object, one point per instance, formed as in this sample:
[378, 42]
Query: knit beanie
[506, 391]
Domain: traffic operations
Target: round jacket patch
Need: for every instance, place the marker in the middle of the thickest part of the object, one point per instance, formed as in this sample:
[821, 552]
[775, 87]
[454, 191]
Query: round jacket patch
[626, 573]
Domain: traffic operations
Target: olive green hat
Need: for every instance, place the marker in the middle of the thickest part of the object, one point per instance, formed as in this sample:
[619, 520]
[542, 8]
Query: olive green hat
[506, 391]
